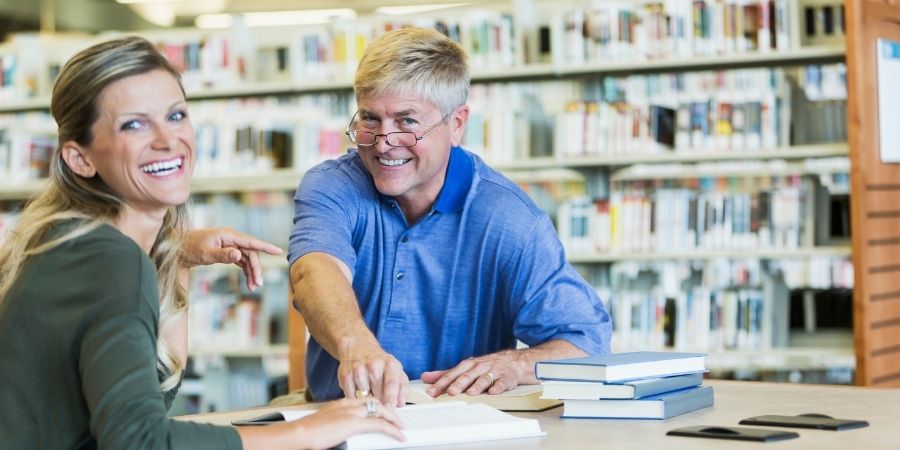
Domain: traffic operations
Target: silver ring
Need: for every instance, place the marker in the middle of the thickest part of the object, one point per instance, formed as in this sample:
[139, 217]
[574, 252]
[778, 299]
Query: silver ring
[372, 409]
[491, 376]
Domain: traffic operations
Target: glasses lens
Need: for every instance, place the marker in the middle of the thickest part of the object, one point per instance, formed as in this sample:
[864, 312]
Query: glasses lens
[401, 139]
[363, 137]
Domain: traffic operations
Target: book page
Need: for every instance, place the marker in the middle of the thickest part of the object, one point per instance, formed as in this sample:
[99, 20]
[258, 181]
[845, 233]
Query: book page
[449, 423]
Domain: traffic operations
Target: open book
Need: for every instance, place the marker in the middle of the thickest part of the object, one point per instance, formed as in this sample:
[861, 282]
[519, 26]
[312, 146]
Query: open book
[522, 398]
[435, 424]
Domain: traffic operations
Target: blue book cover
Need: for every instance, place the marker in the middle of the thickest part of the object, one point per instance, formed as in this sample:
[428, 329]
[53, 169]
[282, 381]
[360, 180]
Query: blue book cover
[621, 366]
[660, 406]
[627, 390]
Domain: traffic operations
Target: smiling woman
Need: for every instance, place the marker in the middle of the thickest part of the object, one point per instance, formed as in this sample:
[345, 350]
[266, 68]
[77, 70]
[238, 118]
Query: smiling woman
[93, 303]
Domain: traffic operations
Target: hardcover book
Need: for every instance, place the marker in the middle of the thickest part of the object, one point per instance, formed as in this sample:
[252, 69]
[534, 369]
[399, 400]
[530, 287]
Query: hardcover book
[629, 390]
[621, 366]
[662, 406]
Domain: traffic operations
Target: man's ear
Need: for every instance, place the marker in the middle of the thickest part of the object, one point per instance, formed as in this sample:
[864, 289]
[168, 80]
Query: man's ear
[76, 158]
[458, 120]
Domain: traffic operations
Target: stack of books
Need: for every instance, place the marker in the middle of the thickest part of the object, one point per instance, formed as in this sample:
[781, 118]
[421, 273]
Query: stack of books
[636, 385]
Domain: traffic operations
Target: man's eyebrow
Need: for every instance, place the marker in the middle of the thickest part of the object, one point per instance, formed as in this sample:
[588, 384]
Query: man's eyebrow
[405, 112]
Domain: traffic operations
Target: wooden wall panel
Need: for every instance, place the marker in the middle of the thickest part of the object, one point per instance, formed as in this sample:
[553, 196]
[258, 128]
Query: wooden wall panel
[883, 304]
[875, 201]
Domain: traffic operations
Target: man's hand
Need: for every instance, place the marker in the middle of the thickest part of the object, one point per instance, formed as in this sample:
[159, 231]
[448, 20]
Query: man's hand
[369, 370]
[494, 373]
[224, 245]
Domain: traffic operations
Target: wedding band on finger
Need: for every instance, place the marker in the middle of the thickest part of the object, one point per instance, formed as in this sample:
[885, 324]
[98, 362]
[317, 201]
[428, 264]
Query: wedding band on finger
[491, 377]
[372, 409]
[362, 393]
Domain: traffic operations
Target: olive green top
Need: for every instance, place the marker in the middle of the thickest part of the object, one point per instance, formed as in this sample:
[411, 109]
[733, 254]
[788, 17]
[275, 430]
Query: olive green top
[78, 333]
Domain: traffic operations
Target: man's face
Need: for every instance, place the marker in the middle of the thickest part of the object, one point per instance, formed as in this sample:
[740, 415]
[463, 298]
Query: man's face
[413, 174]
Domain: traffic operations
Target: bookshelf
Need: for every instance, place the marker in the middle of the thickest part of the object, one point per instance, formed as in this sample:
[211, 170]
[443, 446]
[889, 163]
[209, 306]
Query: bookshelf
[311, 100]
[699, 255]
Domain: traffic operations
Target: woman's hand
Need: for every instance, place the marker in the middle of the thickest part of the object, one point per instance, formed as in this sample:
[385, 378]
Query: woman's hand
[334, 423]
[341, 419]
[206, 246]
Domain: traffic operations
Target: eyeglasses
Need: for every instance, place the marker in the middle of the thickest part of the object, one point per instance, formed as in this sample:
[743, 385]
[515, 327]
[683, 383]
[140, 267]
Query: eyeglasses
[394, 139]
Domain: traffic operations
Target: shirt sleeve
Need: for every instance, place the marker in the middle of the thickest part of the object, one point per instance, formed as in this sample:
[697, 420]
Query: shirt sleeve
[325, 208]
[119, 377]
[550, 300]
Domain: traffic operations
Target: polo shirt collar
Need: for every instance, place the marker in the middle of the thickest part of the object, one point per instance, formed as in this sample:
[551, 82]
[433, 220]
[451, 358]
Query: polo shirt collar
[460, 172]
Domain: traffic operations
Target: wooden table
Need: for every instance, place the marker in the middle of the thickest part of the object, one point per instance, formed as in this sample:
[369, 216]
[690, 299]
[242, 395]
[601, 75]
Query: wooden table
[735, 400]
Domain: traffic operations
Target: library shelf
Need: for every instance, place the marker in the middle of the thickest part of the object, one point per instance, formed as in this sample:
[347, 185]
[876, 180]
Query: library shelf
[21, 189]
[255, 351]
[276, 180]
[33, 104]
[676, 156]
[255, 89]
[782, 358]
[699, 254]
[807, 54]
[811, 54]
[748, 168]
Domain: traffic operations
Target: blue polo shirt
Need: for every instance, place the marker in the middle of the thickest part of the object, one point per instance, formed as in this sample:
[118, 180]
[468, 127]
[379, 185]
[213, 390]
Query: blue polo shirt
[482, 268]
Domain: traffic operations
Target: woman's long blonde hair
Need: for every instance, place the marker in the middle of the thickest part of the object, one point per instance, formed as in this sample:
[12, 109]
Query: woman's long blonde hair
[89, 202]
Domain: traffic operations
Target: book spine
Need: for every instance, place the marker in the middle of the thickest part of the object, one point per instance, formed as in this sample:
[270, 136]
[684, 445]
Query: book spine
[668, 384]
[688, 401]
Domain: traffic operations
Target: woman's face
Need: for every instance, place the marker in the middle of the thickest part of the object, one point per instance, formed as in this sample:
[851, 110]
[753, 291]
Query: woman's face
[143, 141]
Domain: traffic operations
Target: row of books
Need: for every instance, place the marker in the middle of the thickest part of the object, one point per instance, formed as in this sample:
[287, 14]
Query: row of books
[498, 36]
[711, 110]
[27, 141]
[670, 277]
[824, 22]
[332, 51]
[819, 272]
[226, 317]
[509, 122]
[600, 31]
[706, 111]
[210, 60]
[635, 385]
[698, 319]
[718, 216]
[267, 215]
[247, 136]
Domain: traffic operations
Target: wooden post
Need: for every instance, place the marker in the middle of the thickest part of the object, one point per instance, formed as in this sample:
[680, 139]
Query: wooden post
[875, 199]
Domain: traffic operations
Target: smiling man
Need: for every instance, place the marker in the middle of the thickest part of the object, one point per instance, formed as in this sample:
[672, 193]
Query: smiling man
[410, 257]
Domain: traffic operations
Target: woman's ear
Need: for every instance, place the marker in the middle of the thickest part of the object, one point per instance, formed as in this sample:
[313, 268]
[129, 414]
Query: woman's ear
[75, 157]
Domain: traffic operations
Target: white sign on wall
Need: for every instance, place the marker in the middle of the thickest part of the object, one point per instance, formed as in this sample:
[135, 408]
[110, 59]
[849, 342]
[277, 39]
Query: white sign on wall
[888, 62]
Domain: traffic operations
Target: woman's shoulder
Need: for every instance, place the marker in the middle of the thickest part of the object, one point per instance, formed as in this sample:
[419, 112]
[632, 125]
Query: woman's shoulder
[106, 253]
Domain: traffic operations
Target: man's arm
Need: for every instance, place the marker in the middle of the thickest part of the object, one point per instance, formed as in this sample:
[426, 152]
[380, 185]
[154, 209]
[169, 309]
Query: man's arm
[507, 369]
[324, 295]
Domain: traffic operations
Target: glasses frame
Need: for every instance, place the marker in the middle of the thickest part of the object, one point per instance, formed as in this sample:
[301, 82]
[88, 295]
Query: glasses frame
[387, 136]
